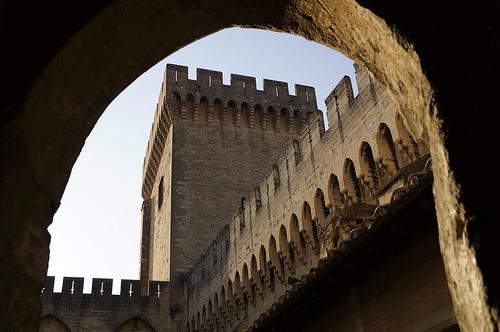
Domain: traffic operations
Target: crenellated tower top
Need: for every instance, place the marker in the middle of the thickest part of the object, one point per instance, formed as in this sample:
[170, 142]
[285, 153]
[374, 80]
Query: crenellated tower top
[240, 105]
[242, 89]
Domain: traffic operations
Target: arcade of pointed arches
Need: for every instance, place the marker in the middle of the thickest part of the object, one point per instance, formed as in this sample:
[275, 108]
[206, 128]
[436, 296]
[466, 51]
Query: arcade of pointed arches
[255, 117]
[298, 239]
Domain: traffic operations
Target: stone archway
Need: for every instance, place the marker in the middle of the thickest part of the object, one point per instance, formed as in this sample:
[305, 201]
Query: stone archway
[42, 138]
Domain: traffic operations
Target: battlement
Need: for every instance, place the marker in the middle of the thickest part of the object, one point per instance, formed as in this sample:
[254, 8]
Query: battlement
[103, 311]
[209, 83]
[355, 166]
[239, 106]
[73, 287]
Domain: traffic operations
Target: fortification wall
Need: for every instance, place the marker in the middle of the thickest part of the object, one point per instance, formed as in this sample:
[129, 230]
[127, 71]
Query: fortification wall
[360, 160]
[71, 310]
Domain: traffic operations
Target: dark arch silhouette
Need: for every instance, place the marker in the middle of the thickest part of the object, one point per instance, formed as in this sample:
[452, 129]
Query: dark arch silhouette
[135, 314]
[66, 64]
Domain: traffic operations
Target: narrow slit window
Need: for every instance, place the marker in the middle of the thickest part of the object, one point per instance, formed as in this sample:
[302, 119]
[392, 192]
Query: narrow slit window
[277, 93]
[160, 193]
[210, 80]
[176, 75]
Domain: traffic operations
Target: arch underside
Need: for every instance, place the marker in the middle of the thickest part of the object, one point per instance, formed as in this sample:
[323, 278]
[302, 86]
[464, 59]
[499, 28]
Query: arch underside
[46, 126]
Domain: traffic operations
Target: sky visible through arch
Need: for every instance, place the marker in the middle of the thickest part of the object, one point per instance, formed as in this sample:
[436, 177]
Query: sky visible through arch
[96, 231]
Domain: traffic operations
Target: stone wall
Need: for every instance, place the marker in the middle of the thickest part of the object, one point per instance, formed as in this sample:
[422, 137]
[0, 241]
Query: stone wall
[72, 310]
[209, 145]
[358, 163]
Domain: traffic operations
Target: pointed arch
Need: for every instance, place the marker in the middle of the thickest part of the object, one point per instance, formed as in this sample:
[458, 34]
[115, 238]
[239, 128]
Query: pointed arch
[284, 121]
[257, 118]
[204, 322]
[238, 291]
[244, 116]
[263, 262]
[320, 206]
[53, 323]
[231, 114]
[265, 271]
[198, 322]
[134, 324]
[335, 196]
[223, 302]
[369, 171]
[388, 159]
[310, 115]
[309, 226]
[245, 282]
[297, 122]
[254, 270]
[256, 279]
[271, 119]
[231, 298]
[210, 314]
[193, 324]
[176, 103]
[217, 112]
[286, 251]
[275, 266]
[407, 145]
[190, 107]
[132, 315]
[298, 241]
[351, 182]
[203, 110]
[217, 311]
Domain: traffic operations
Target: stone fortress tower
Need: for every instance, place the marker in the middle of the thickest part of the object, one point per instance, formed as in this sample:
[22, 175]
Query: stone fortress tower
[209, 146]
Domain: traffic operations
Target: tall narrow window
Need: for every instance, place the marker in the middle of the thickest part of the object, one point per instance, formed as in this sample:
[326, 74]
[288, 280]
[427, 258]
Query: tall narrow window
[297, 122]
[160, 193]
[368, 168]
[190, 107]
[296, 151]
[258, 200]
[203, 112]
[276, 176]
[217, 112]
[231, 114]
[177, 104]
[271, 119]
[257, 122]
[319, 203]
[284, 121]
[244, 116]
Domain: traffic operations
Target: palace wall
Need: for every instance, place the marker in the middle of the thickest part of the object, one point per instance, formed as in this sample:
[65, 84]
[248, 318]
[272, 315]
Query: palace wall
[209, 145]
[72, 310]
[363, 157]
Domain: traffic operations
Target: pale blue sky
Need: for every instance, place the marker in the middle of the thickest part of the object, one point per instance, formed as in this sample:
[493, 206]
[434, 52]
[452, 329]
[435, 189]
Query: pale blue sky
[96, 231]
